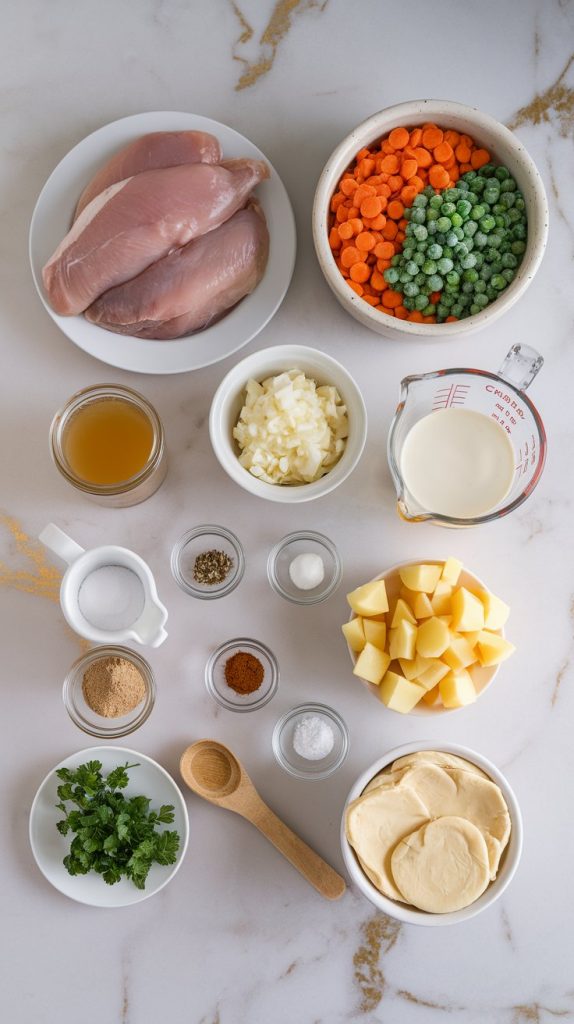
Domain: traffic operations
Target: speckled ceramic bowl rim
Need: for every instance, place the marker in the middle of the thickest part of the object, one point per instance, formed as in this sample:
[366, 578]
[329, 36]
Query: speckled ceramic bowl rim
[507, 147]
[510, 857]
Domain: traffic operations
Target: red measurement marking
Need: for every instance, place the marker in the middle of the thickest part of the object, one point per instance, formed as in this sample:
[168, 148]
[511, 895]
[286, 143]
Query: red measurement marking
[447, 397]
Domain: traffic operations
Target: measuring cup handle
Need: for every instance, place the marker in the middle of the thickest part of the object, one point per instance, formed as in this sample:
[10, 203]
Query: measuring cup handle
[520, 366]
[63, 546]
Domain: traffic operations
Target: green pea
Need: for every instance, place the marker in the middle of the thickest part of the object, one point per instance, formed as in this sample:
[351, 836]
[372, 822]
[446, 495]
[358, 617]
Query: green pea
[442, 310]
[447, 251]
[452, 277]
[411, 268]
[451, 289]
[507, 200]
[443, 223]
[470, 275]
[486, 272]
[509, 260]
[466, 288]
[434, 251]
[520, 204]
[420, 279]
[508, 185]
[463, 207]
[435, 283]
[451, 239]
[429, 310]
[456, 309]
[391, 275]
[519, 231]
[479, 285]
[461, 249]
[395, 260]
[408, 303]
[431, 226]
[456, 220]
[404, 277]
[508, 274]
[491, 194]
[488, 170]
[428, 191]
[420, 232]
[477, 212]
[501, 173]
[514, 215]
[472, 198]
[459, 233]
[431, 214]
[435, 203]
[420, 302]
[411, 289]
[470, 175]
[480, 240]
[407, 213]
[479, 259]
[498, 282]
[474, 309]
[491, 293]
[419, 258]
[479, 183]
[447, 208]
[518, 247]
[417, 215]
[444, 265]
[467, 262]
[487, 223]
[429, 267]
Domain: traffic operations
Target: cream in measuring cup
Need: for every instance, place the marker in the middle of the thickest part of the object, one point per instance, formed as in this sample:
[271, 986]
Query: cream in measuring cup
[467, 446]
[457, 462]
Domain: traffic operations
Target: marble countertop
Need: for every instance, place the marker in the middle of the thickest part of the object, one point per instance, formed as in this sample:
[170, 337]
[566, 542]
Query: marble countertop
[238, 937]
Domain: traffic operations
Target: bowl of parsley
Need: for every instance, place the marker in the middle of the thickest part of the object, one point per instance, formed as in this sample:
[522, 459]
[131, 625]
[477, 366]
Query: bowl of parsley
[108, 827]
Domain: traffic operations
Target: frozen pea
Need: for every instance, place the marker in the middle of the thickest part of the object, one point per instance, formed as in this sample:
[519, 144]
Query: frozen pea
[442, 310]
[495, 240]
[422, 246]
[491, 194]
[408, 252]
[480, 240]
[459, 233]
[451, 239]
[520, 204]
[518, 247]
[479, 183]
[420, 200]
[461, 249]
[407, 213]
[391, 275]
[474, 309]
[501, 173]
[508, 185]
[477, 212]
[420, 302]
[470, 175]
[447, 251]
[472, 198]
[435, 203]
[479, 285]
[395, 260]
[429, 310]
[456, 220]
[443, 223]
[447, 209]
[508, 274]
[509, 260]
[434, 251]
[507, 200]
[463, 207]
[491, 293]
[466, 288]
[444, 265]
[486, 272]
[411, 289]
[404, 276]
[451, 289]
[488, 170]
[417, 216]
[435, 283]
[470, 274]
[487, 223]
[431, 226]
[479, 259]
[467, 262]
[497, 281]
[456, 309]
[419, 258]
[452, 277]
[411, 268]
[429, 267]
[513, 215]
[420, 232]
[408, 303]
[431, 214]
[420, 279]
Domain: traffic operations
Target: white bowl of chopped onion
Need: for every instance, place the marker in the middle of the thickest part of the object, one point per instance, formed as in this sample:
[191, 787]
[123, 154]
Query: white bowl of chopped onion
[288, 423]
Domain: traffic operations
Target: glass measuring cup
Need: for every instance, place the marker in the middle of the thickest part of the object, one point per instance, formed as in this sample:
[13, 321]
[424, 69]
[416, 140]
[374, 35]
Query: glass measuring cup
[501, 397]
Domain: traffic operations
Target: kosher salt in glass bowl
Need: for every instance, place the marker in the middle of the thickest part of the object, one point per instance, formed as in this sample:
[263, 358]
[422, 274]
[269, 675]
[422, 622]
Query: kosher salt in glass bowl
[300, 543]
[90, 721]
[224, 694]
[302, 767]
[196, 542]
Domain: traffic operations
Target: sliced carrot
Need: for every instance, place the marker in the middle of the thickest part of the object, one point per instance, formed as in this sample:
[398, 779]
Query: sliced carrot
[395, 209]
[438, 177]
[401, 313]
[395, 183]
[399, 138]
[432, 137]
[451, 319]
[348, 186]
[392, 299]
[344, 231]
[407, 194]
[462, 152]
[424, 158]
[416, 182]
[415, 137]
[443, 152]
[452, 137]
[359, 272]
[377, 223]
[415, 316]
[373, 300]
[387, 148]
[408, 168]
[390, 230]
[479, 158]
[434, 296]
[377, 281]
[383, 265]
[371, 206]
[351, 255]
[365, 241]
[464, 168]
[357, 288]
[384, 250]
[390, 164]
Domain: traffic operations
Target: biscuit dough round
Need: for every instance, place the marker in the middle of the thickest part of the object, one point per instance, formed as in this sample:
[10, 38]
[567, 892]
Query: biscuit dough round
[374, 825]
[439, 758]
[443, 866]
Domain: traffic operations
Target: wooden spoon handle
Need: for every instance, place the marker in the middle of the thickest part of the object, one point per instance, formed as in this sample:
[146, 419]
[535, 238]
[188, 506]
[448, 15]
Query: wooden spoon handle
[320, 874]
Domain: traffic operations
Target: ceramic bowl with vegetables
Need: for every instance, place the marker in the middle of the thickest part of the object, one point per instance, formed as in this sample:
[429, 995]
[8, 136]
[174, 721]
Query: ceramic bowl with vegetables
[430, 219]
[426, 637]
[288, 423]
[431, 836]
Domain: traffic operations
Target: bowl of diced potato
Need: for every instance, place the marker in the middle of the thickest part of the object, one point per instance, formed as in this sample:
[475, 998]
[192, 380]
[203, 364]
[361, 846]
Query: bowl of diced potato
[426, 637]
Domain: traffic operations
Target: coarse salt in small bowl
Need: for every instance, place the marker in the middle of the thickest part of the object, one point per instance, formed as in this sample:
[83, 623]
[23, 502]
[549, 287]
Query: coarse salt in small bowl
[505, 147]
[309, 769]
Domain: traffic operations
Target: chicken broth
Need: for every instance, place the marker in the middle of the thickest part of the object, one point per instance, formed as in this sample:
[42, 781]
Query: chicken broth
[108, 441]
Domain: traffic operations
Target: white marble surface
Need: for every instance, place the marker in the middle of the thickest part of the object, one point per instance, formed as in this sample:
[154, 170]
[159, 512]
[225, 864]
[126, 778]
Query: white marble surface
[238, 938]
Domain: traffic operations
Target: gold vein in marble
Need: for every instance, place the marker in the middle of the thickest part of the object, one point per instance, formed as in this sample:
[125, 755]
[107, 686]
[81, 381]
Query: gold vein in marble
[409, 997]
[378, 934]
[558, 99]
[273, 34]
[40, 578]
[530, 1013]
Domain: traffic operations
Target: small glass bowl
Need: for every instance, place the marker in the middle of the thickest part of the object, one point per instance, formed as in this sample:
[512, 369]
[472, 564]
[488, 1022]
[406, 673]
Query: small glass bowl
[300, 767]
[81, 713]
[195, 542]
[303, 542]
[223, 694]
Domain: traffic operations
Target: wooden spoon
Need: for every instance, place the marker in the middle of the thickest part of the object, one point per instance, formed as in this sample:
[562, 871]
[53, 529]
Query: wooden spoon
[213, 772]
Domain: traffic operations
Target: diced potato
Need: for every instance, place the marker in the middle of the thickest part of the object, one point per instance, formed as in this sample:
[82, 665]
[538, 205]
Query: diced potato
[423, 663]
[467, 611]
[402, 611]
[399, 694]
[492, 648]
[451, 571]
[375, 633]
[408, 668]
[402, 640]
[421, 577]
[447, 619]
[433, 674]
[370, 599]
[457, 689]
[432, 697]
[459, 654]
[440, 600]
[354, 634]
[409, 596]
[472, 637]
[432, 638]
[496, 612]
[422, 606]
[372, 664]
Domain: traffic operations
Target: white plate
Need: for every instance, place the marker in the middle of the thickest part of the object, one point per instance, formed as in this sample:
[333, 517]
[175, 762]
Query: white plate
[52, 218]
[50, 848]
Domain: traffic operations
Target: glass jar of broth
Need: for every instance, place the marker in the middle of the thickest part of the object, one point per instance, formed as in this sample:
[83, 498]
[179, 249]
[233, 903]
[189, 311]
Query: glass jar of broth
[108, 442]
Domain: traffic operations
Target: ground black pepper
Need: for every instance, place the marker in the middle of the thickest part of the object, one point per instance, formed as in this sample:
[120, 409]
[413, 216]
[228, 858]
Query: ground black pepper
[212, 567]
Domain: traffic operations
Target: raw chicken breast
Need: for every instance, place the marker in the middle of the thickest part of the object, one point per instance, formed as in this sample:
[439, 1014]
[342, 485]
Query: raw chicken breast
[135, 222]
[148, 153]
[193, 286]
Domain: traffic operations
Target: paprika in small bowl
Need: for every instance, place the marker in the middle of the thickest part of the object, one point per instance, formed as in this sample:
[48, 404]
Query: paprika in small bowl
[242, 675]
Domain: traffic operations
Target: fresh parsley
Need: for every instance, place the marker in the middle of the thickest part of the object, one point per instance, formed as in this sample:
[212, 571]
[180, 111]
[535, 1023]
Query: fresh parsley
[114, 835]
